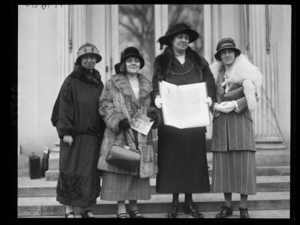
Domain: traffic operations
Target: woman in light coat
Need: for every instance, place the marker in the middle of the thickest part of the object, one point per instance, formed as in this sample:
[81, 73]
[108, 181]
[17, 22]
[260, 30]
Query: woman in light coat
[126, 93]
[233, 141]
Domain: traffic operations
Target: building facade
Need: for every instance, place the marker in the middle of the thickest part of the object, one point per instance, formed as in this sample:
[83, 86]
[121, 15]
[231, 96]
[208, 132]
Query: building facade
[49, 37]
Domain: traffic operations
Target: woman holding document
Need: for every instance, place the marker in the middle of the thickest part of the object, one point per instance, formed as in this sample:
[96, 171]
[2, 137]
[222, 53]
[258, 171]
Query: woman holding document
[125, 94]
[238, 85]
[182, 161]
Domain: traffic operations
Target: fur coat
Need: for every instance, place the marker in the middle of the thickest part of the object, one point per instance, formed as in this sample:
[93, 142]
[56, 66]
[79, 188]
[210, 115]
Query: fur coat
[118, 102]
[243, 73]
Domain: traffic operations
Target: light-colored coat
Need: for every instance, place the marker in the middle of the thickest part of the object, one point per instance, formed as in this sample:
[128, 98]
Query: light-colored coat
[115, 104]
[235, 129]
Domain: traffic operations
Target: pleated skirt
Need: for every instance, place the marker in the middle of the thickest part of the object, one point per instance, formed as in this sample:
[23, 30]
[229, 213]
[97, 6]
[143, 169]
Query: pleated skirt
[234, 172]
[120, 187]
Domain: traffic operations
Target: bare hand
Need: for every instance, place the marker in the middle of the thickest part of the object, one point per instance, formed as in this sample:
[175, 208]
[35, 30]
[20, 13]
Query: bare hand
[158, 101]
[208, 101]
[225, 107]
[68, 139]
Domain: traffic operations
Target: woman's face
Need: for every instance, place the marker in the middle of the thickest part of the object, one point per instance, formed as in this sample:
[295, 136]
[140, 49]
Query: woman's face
[88, 61]
[132, 65]
[227, 56]
[180, 42]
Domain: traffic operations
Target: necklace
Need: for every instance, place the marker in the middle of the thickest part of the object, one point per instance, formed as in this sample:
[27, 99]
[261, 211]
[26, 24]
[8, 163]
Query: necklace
[183, 72]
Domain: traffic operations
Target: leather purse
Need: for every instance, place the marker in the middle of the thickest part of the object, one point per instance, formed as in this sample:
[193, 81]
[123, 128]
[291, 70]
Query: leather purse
[234, 94]
[124, 156]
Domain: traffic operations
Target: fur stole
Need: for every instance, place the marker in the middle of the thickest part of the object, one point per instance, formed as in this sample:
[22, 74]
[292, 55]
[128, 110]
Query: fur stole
[162, 63]
[245, 74]
[93, 77]
[121, 82]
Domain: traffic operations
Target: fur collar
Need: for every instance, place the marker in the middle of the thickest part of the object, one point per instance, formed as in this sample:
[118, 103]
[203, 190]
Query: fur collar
[245, 73]
[121, 82]
[162, 63]
[93, 77]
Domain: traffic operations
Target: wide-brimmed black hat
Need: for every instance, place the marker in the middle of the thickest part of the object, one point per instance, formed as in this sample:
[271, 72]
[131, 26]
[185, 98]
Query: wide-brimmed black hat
[88, 48]
[226, 43]
[176, 29]
[132, 52]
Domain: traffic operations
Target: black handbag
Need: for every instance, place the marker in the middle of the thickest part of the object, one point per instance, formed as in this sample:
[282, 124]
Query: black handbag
[234, 94]
[124, 156]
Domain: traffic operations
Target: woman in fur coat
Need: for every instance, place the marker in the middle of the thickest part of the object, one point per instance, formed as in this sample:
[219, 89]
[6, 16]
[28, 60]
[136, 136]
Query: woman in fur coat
[126, 93]
[80, 129]
[182, 162]
[238, 84]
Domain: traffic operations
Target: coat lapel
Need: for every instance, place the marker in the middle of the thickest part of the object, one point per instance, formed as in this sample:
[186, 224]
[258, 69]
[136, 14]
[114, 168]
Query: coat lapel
[122, 84]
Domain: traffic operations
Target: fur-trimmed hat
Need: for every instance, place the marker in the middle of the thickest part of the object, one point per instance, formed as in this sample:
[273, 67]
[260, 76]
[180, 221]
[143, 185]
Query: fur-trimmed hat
[88, 48]
[226, 43]
[176, 29]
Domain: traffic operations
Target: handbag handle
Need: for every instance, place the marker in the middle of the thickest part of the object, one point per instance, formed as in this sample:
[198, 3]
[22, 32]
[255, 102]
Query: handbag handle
[135, 142]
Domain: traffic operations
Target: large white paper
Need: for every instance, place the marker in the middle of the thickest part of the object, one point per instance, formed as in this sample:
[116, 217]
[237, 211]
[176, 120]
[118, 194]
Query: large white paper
[184, 105]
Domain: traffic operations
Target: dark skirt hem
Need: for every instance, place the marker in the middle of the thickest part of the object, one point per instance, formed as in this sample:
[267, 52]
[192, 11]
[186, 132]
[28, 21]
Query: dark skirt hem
[75, 203]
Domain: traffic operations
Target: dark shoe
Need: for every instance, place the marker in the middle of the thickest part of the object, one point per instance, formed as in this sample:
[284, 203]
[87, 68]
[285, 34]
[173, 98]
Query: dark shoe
[173, 211]
[122, 215]
[85, 214]
[192, 210]
[244, 213]
[135, 214]
[226, 211]
[70, 215]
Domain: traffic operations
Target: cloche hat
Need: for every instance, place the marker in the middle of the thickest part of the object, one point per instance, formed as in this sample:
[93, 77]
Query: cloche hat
[132, 52]
[176, 29]
[226, 43]
[88, 48]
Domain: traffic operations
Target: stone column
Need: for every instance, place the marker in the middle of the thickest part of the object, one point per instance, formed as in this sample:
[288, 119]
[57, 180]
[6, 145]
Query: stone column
[250, 25]
[263, 55]
[71, 35]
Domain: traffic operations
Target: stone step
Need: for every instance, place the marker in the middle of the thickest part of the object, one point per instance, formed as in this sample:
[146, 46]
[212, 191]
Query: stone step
[254, 214]
[260, 171]
[43, 188]
[205, 202]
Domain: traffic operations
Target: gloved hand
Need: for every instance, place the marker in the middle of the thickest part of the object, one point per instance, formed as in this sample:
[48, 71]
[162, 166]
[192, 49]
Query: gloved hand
[68, 139]
[208, 101]
[124, 124]
[158, 101]
[225, 107]
[152, 116]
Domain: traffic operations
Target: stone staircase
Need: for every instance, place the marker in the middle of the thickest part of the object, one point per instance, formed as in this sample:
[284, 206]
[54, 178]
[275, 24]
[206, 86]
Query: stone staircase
[37, 198]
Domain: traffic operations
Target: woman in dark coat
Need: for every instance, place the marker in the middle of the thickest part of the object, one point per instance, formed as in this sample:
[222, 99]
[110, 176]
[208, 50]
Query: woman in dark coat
[182, 162]
[80, 128]
[233, 141]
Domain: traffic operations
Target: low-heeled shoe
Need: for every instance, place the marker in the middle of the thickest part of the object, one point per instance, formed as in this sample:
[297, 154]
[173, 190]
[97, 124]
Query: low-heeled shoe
[122, 215]
[173, 211]
[191, 208]
[226, 211]
[135, 214]
[244, 213]
[85, 214]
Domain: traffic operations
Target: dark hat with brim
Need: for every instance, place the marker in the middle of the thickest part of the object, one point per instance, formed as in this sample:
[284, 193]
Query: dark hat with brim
[177, 29]
[226, 43]
[132, 52]
[88, 48]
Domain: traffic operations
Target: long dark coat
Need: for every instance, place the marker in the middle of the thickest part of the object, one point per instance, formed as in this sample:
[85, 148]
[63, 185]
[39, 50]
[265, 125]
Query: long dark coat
[182, 162]
[76, 113]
